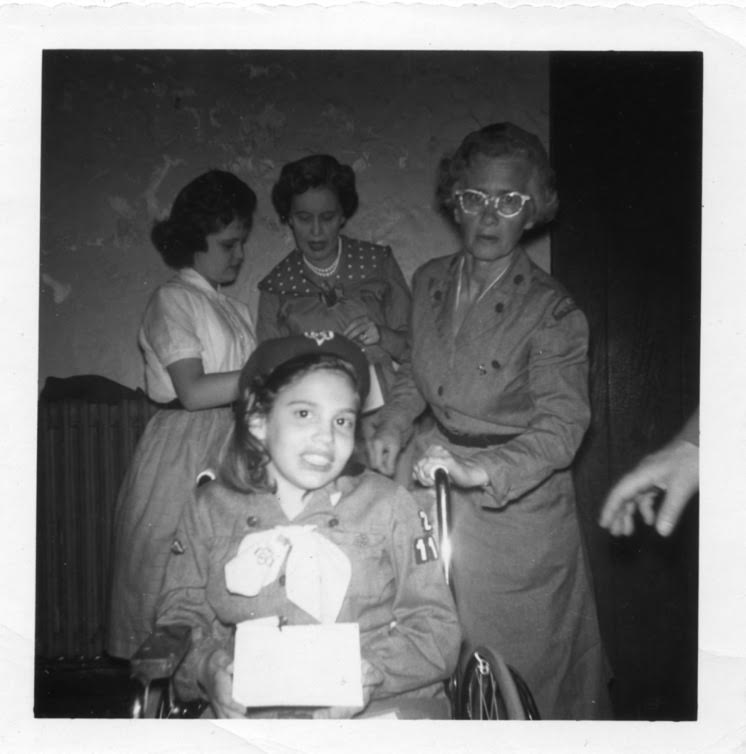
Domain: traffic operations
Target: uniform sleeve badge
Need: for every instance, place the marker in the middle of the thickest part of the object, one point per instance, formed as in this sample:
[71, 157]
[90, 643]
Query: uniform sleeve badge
[425, 547]
[563, 307]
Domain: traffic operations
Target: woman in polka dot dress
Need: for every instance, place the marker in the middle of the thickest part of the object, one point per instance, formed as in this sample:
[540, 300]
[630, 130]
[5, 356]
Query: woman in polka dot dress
[330, 281]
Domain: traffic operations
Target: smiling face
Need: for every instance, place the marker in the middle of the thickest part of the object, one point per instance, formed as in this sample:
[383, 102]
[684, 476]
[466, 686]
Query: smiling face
[221, 261]
[309, 432]
[487, 236]
[316, 218]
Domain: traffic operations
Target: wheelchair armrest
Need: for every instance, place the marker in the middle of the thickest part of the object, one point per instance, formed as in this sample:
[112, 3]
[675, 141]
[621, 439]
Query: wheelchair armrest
[161, 653]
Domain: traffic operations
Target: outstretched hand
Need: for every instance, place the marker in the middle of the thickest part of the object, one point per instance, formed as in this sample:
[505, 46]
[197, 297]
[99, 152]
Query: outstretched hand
[463, 471]
[672, 471]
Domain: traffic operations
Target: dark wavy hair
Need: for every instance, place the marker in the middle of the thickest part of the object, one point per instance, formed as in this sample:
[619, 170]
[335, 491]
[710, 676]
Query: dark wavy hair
[314, 171]
[244, 467]
[501, 140]
[205, 206]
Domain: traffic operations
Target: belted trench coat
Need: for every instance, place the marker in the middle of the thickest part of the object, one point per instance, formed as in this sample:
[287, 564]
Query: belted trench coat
[514, 375]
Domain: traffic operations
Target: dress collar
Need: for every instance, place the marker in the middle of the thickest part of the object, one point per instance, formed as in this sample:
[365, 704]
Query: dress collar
[328, 496]
[190, 276]
[359, 261]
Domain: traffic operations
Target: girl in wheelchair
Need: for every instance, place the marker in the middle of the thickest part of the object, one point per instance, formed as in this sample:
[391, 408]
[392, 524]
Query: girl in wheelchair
[287, 484]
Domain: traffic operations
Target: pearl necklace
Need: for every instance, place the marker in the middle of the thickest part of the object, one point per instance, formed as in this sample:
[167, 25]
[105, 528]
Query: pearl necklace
[325, 272]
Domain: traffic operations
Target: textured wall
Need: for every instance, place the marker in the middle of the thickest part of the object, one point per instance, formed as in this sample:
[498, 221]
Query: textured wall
[124, 131]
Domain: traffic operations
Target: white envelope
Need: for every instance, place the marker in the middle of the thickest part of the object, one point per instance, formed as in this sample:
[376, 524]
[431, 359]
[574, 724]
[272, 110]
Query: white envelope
[297, 666]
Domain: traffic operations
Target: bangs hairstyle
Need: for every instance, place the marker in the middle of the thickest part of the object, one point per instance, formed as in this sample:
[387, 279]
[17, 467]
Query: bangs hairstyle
[203, 207]
[244, 468]
[501, 140]
[315, 171]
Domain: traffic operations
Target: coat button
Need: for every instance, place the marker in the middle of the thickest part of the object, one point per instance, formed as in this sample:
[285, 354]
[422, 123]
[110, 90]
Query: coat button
[495, 364]
[438, 295]
[499, 307]
[333, 522]
[281, 580]
[518, 279]
[252, 521]
[440, 390]
[177, 548]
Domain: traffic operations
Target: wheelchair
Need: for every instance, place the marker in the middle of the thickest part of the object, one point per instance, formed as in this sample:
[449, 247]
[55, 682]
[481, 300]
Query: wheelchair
[483, 687]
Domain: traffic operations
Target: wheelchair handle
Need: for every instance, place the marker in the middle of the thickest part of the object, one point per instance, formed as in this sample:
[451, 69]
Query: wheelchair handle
[443, 502]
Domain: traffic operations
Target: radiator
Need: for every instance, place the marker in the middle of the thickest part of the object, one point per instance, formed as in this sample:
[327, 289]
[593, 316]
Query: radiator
[83, 453]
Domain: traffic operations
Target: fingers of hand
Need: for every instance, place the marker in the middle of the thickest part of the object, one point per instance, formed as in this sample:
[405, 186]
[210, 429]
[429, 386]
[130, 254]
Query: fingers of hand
[355, 332]
[436, 457]
[369, 336]
[611, 509]
[373, 334]
[363, 330]
[383, 452]
[623, 522]
[230, 711]
[670, 512]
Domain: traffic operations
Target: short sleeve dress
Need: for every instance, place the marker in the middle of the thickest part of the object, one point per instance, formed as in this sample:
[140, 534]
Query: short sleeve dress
[185, 318]
[368, 281]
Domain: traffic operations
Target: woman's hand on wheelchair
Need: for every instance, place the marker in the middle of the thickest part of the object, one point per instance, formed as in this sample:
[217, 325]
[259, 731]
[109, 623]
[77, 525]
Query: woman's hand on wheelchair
[217, 679]
[463, 471]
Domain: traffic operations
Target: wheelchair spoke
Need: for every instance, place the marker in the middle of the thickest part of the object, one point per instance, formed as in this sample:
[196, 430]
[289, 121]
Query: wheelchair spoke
[482, 698]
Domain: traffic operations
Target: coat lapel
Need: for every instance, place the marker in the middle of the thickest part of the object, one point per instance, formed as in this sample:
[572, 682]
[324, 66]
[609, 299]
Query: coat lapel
[491, 310]
[442, 292]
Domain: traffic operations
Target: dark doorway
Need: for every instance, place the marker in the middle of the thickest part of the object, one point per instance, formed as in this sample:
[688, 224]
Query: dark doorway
[626, 141]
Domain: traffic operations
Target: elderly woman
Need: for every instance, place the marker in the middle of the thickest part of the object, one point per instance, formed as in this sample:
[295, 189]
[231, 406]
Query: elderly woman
[330, 281]
[499, 354]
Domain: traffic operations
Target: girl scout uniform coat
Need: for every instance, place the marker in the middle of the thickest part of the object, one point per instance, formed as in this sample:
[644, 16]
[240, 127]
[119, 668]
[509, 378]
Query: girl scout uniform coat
[509, 390]
[409, 630]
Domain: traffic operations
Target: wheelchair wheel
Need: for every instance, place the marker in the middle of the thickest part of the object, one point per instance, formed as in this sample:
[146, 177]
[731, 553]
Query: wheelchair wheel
[488, 690]
[152, 701]
[527, 699]
[157, 700]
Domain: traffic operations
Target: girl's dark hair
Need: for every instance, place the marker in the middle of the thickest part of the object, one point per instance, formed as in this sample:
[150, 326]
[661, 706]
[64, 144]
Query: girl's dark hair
[501, 140]
[244, 466]
[205, 206]
[314, 171]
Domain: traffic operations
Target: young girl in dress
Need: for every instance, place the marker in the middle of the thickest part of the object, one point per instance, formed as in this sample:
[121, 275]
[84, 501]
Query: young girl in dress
[195, 340]
[287, 487]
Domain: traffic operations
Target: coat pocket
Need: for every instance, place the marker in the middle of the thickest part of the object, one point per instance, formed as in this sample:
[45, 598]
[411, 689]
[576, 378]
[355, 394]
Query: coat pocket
[372, 574]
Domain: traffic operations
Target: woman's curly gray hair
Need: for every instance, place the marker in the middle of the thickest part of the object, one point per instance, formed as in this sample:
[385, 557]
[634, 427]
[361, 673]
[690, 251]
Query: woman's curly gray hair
[501, 140]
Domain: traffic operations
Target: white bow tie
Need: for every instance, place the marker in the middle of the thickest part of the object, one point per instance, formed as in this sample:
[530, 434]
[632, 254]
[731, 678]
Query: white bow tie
[316, 576]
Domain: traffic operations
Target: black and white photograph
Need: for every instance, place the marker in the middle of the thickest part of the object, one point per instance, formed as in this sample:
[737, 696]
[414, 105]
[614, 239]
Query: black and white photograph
[369, 380]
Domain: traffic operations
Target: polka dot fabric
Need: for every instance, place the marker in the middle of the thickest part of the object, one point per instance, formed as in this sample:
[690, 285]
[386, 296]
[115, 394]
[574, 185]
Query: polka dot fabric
[360, 260]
